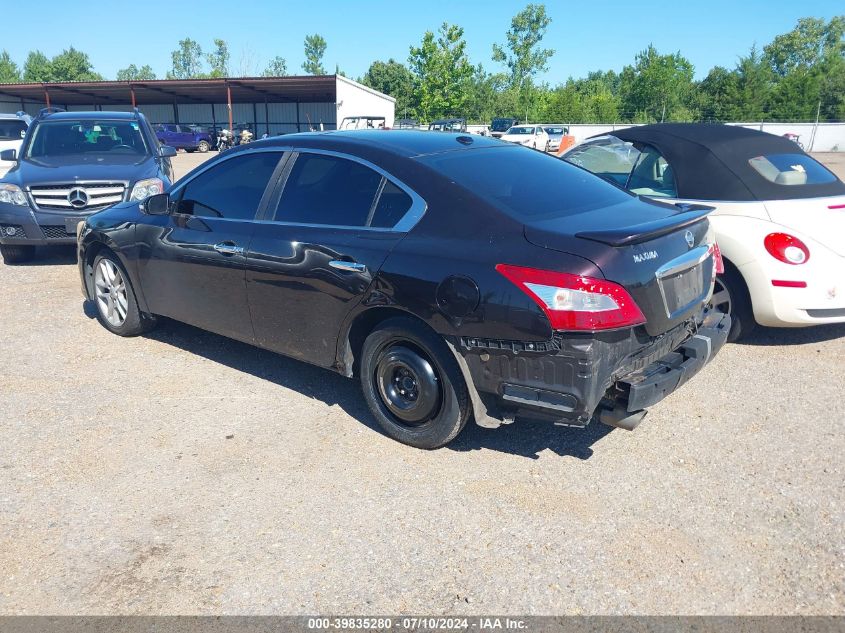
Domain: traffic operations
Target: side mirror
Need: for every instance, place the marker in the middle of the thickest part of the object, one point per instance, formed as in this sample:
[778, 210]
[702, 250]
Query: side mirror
[10, 155]
[166, 151]
[158, 204]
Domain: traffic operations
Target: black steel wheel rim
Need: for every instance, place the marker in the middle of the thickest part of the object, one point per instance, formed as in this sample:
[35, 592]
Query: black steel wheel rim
[408, 384]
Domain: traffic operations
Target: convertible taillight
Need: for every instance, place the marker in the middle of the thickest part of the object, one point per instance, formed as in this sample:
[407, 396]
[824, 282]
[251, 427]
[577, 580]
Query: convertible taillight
[574, 302]
[786, 248]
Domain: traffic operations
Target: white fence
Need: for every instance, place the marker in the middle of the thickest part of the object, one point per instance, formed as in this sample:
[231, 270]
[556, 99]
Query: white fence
[824, 137]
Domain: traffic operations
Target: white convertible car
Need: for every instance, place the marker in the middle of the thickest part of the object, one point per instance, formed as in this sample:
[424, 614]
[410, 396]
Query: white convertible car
[779, 214]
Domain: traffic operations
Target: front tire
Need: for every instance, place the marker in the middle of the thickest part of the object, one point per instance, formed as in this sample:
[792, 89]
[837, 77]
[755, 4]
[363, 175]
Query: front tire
[114, 299]
[17, 253]
[731, 297]
[413, 385]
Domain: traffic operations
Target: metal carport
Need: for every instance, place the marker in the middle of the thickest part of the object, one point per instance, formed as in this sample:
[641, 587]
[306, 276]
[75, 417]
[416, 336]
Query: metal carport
[271, 104]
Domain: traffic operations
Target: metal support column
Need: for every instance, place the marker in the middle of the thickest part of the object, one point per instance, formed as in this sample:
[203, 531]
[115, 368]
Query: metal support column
[229, 105]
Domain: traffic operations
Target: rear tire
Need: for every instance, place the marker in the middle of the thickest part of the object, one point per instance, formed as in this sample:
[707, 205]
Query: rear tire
[413, 385]
[114, 299]
[203, 147]
[16, 253]
[730, 295]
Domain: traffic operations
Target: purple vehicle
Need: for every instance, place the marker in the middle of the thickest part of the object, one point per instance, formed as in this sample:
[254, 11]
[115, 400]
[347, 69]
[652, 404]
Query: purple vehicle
[189, 138]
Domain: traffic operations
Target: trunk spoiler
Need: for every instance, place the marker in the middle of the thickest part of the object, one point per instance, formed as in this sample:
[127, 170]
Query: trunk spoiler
[626, 235]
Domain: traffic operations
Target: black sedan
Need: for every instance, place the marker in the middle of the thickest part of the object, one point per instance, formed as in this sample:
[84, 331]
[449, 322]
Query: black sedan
[453, 275]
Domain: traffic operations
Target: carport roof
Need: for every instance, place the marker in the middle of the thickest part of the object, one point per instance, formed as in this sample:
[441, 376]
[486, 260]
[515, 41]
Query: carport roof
[309, 88]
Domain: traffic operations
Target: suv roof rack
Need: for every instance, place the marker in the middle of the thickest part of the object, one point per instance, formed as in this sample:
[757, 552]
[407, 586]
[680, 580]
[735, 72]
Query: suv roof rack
[45, 112]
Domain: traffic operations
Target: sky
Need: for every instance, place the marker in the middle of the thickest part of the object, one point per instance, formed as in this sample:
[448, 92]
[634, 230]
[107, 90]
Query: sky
[585, 35]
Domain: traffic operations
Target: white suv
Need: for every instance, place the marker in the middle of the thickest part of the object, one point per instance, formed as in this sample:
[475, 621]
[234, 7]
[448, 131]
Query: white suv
[12, 130]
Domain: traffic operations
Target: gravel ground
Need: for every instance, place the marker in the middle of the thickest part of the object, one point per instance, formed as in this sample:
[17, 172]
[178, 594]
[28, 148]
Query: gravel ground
[182, 472]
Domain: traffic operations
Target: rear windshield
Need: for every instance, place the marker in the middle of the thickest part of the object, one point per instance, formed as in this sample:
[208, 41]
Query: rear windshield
[527, 184]
[68, 137]
[521, 130]
[554, 130]
[791, 169]
[501, 125]
[12, 129]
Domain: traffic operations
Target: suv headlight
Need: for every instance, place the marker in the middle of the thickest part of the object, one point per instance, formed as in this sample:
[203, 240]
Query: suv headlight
[12, 194]
[143, 189]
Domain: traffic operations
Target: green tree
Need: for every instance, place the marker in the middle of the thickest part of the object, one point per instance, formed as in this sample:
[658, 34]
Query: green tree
[218, 59]
[9, 72]
[657, 87]
[73, 65]
[442, 73]
[718, 95]
[806, 46]
[754, 87]
[278, 67]
[807, 66]
[187, 60]
[133, 73]
[394, 79]
[524, 57]
[36, 68]
[315, 48]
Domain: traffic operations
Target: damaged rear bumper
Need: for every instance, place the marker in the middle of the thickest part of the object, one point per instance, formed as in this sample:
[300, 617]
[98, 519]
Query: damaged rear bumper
[613, 376]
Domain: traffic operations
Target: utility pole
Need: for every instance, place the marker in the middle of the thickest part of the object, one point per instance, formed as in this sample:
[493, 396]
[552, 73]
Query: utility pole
[815, 128]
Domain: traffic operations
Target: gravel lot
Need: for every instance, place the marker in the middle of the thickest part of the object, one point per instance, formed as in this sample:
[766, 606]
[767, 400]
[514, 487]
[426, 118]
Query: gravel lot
[181, 472]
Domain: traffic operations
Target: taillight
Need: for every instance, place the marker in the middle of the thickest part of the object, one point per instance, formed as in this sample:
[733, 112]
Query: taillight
[573, 302]
[786, 248]
[718, 262]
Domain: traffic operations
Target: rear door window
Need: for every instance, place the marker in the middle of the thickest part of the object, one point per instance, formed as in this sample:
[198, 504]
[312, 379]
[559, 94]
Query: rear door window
[328, 190]
[791, 169]
[232, 189]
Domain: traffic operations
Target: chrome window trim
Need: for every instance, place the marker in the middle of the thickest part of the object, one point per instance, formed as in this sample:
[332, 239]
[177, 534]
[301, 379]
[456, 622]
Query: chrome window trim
[405, 223]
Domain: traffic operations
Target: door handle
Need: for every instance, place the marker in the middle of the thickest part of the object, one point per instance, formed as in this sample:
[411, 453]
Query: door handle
[350, 267]
[228, 248]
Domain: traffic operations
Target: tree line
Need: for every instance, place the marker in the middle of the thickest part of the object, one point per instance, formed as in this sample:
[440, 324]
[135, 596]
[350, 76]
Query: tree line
[797, 76]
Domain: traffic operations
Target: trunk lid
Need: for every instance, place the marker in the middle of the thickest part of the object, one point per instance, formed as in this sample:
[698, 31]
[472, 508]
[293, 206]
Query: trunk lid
[822, 219]
[658, 252]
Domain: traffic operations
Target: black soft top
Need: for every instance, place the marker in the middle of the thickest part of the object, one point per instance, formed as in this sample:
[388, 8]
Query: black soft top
[710, 161]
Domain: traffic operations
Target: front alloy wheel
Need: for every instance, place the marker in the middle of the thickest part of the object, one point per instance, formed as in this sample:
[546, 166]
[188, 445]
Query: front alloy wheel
[117, 308]
[110, 291]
